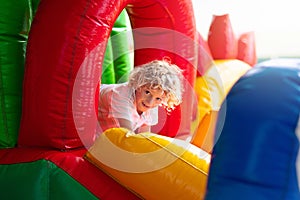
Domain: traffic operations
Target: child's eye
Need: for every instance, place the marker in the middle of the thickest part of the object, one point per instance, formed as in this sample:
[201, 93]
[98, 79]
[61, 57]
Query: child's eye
[147, 92]
[158, 99]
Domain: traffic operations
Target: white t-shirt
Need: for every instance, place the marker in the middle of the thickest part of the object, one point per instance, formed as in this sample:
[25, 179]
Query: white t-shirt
[117, 101]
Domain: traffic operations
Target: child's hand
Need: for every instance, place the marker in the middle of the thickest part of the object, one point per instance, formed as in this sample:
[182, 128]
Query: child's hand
[129, 133]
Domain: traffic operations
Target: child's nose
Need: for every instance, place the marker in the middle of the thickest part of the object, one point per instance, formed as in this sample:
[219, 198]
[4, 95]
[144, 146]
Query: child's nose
[150, 101]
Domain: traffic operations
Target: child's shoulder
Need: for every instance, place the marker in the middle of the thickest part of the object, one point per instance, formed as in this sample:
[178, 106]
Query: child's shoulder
[122, 89]
[113, 86]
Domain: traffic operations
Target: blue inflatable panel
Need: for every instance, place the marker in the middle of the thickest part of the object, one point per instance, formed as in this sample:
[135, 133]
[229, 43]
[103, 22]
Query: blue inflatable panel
[256, 145]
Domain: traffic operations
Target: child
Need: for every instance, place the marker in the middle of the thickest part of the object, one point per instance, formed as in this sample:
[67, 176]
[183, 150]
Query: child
[133, 104]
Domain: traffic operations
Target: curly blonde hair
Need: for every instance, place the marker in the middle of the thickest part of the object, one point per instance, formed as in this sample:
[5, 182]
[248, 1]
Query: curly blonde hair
[160, 74]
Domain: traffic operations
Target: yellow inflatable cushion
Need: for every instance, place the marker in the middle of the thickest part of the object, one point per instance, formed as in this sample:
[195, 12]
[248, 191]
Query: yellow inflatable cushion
[150, 165]
[211, 89]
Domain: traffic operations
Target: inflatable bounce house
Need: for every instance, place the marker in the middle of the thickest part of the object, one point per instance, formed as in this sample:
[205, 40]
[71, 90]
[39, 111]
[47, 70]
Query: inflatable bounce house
[54, 56]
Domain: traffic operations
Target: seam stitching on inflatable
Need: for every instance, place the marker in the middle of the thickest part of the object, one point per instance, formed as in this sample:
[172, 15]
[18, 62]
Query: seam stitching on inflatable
[2, 102]
[174, 154]
[68, 95]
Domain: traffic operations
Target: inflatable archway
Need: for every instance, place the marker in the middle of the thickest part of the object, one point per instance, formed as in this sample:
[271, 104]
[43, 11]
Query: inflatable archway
[67, 37]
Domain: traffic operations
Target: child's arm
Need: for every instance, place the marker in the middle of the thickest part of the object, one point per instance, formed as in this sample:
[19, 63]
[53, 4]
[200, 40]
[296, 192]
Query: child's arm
[125, 123]
[144, 128]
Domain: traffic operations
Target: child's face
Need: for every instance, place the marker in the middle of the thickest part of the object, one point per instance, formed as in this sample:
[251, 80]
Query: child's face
[146, 98]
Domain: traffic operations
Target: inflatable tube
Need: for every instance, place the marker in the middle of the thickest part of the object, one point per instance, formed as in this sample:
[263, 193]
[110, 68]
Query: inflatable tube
[152, 166]
[14, 27]
[64, 58]
[256, 152]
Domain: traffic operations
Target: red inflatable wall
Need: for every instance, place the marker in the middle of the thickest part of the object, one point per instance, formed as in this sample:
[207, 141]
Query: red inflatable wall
[64, 58]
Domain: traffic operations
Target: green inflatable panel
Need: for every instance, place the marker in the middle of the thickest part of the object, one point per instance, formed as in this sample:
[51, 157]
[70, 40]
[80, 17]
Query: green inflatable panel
[40, 180]
[117, 61]
[34, 5]
[108, 73]
[121, 48]
[16, 17]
